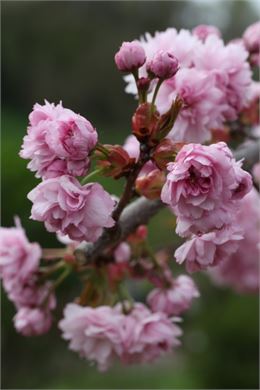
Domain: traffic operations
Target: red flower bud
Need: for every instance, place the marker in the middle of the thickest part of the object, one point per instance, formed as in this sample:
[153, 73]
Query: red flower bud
[143, 84]
[144, 122]
[139, 235]
[117, 162]
[166, 152]
[150, 185]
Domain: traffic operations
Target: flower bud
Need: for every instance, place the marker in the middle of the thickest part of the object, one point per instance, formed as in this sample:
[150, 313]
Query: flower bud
[150, 185]
[117, 162]
[130, 57]
[163, 65]
[167, 120]
[144, 122]
[139, 235]
[166, 152]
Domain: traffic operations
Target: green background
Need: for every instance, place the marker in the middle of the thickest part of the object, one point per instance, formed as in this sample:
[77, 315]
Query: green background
[64, 51]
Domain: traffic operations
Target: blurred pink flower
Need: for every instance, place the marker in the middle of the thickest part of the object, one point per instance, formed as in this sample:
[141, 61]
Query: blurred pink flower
[93, 332]
[209, 249]
[32, 322]
[175, 299]
[241, 270]
[66, 207]
[19, 258]
[202, 187]
[58, 141]
[147, 336]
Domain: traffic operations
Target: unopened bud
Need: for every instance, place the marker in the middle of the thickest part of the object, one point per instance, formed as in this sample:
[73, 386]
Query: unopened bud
[116, 163]
[150, 185]
[139, 235]
[163, 65]
[143, 84]
[130, 56]
[144, 121]
[166, 152]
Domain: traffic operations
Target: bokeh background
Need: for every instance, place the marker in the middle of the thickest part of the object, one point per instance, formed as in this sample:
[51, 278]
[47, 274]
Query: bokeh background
[64, 51]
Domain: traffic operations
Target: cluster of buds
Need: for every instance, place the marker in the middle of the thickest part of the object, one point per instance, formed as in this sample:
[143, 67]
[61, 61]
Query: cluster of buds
[114, 161]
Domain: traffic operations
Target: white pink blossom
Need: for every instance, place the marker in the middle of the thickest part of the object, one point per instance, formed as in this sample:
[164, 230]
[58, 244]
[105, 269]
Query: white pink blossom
[58, 141]
[203, 186]
[66, 207]
[174, 299]
[204, 30]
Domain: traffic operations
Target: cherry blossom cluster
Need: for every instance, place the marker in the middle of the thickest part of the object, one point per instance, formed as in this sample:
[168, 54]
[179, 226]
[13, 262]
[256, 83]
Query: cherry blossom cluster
[191, 88]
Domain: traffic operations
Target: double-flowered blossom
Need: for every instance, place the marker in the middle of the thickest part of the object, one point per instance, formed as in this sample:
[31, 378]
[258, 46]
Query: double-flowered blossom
[241, 269]
[58, 141]
[66, 207]
[203, 186]
[213, 81]
[19, 263]
[174, 299]
[104, 333]
[209, 249]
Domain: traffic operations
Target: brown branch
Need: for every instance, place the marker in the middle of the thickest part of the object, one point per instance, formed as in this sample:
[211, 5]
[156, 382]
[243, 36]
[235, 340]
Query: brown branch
[142, 210]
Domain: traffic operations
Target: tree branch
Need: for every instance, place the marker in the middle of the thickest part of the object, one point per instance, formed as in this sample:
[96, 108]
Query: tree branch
[142, 210]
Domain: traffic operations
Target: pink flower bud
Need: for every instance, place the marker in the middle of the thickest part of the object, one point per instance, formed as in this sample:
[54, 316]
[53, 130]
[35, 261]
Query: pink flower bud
[251, 37]
[204, 30]
[164, 65]
[130, 56]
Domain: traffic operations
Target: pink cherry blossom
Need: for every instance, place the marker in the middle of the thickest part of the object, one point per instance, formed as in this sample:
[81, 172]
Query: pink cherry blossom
[32, 322]
[58, 141]
[209, 249]
[241, 270]
[122, 252]
[19, 258]
[203, 186]
[66, 207]
[147, 336]
[130, 56]
[175, 299]
[232, 73]
[163, 65]
[204, 30]
[203, 104]
[256, 172]
[93, 332]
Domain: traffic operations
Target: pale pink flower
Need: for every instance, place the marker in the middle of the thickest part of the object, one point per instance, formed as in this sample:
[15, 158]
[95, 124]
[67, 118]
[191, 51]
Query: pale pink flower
[241, 270]
[58, 142]
[32, 321]
[209, 249]
[147, 336]
[203, 186]
[232, 72]
[130, 56]
[93, 332]
[19, 258]
[204, 30]
[175, 299]
[66, 207]
[122, 252]
[163, 65]
[202, 108]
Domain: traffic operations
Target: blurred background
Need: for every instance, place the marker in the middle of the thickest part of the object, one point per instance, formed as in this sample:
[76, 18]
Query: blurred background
[64, 51]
